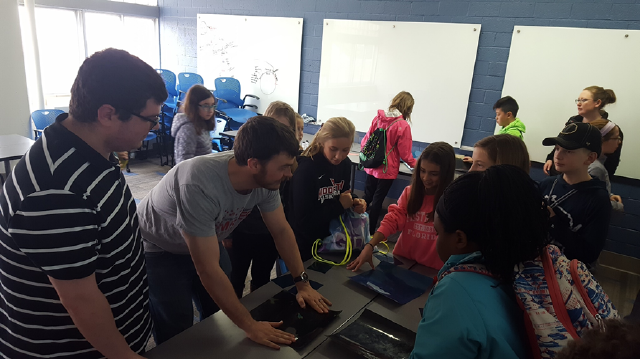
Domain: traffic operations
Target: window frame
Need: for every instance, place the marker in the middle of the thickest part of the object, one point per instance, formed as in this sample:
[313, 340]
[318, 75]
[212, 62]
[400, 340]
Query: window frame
[81, 7]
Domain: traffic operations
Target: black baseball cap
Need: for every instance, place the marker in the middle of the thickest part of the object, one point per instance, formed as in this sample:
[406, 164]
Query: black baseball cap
[577, 135]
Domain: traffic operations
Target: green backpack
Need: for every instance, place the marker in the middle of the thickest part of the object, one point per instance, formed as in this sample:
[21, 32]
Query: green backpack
[374, 153]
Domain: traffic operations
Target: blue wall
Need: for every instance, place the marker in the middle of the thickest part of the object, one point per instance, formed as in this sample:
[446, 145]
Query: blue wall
[178, 53]
[178, 34]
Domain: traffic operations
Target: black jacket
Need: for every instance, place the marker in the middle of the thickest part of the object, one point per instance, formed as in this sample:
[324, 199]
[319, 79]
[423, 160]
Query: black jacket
[582, 213]
[612, 161]
[314, 199]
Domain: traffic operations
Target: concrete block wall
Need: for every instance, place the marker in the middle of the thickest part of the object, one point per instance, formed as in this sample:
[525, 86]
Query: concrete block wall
[498, 18]
[179, 52]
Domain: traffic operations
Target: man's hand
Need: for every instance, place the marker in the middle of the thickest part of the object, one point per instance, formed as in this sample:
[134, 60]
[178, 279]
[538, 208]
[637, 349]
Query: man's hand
[306, 294]
[616, 198]
[551, 212]
[364, 257]
[359, 205]
[265, 333]
[547, 167]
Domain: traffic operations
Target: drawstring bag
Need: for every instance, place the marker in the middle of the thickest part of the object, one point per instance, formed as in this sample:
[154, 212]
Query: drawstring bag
[374, 153]
[348, 232]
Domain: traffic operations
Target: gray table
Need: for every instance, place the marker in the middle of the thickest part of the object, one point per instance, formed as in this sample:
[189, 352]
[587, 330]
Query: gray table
[218, 336]
[407, 315]
[13, 147]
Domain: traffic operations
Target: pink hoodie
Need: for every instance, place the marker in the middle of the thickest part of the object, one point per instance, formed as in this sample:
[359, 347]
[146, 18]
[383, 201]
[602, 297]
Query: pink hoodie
[418, 238]
[399, 135]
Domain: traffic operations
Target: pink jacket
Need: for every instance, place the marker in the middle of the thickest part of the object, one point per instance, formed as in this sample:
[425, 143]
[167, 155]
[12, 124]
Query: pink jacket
[418, 238]
[399, 135]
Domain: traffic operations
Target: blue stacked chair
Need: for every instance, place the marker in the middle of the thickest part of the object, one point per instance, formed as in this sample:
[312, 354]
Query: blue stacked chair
[169, 110]
[170, 83]
[228, 94]
[43, 118]
[185, 81]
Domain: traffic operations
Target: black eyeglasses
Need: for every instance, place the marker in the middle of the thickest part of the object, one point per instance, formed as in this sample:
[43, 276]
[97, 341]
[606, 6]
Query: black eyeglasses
[154, 119]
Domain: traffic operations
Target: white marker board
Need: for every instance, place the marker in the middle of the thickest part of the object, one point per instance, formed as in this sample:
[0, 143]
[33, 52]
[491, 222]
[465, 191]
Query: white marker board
[263, 53]
[548, 67]
[366, 63]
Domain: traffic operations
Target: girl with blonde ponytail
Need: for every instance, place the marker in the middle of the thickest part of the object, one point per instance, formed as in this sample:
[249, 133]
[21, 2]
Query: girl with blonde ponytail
[320, 187]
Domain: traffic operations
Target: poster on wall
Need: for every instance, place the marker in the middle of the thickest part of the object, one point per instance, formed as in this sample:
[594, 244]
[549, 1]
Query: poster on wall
[262, 53]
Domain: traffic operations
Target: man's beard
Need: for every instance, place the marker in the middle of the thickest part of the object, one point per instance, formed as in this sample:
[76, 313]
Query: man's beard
[260, 179]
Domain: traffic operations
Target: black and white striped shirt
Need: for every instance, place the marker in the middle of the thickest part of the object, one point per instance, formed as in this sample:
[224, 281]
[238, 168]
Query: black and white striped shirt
[67, 212]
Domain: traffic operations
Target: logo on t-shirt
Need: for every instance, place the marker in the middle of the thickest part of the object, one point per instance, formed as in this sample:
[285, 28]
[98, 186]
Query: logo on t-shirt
[330, 191]
[230, 220]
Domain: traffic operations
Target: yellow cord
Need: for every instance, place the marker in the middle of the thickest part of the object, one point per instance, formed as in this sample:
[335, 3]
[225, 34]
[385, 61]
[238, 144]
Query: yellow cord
[347, 254]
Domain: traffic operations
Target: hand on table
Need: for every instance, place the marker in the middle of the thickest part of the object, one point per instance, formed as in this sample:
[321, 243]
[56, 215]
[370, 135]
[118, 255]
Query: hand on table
[616, 198]
[359, 205]
[366, 256]
[547, 167]
[307, 295]
[265, 333]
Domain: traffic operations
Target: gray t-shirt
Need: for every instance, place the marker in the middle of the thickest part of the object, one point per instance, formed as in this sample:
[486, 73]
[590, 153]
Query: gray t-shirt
[197, 197]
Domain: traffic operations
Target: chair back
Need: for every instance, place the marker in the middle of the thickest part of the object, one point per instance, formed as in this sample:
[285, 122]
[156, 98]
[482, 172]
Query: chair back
[43, 118]
[186, 80]
[169, 79]
[228, 88]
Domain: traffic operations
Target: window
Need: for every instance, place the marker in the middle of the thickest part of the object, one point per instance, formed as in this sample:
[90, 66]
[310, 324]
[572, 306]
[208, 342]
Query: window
[61, 53]
[137, 35]
[62, 37]
[102, 31]
[141, 39]
[141, 2]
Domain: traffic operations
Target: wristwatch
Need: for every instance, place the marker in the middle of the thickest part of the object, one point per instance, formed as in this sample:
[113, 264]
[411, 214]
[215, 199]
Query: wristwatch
[303, 277]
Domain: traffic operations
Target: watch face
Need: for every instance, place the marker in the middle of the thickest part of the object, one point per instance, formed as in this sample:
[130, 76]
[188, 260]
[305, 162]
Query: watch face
[304, 276]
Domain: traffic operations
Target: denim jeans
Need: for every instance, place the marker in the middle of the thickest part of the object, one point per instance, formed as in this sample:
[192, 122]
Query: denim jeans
[174, 286]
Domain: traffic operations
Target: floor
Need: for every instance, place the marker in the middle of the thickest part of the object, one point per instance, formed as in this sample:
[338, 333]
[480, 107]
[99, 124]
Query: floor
[622, 286]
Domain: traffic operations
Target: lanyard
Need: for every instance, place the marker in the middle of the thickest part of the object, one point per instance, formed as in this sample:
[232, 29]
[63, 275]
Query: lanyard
[561, 199]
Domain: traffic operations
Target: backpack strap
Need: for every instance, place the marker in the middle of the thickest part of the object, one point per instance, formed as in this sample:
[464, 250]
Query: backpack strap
[531, 333]
[573, 268]
[391, 124]
[556, 295]
[472, 268]
[385, 145]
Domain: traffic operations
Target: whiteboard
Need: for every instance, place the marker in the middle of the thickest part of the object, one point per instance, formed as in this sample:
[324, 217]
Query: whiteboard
[366, 63]
[548, 67]
[263, 53]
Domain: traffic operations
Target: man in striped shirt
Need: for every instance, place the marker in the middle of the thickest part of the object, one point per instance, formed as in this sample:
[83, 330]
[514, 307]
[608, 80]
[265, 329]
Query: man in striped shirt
[72, 273]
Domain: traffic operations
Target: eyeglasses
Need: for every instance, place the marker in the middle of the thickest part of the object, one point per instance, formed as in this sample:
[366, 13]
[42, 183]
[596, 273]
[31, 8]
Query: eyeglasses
[619, 139]
[154, 120]
[583, 100]
[208, 107]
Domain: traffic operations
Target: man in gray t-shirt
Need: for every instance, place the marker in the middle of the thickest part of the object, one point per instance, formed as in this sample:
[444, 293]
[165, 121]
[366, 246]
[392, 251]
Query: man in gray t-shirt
[196, 205]
[197, 197]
